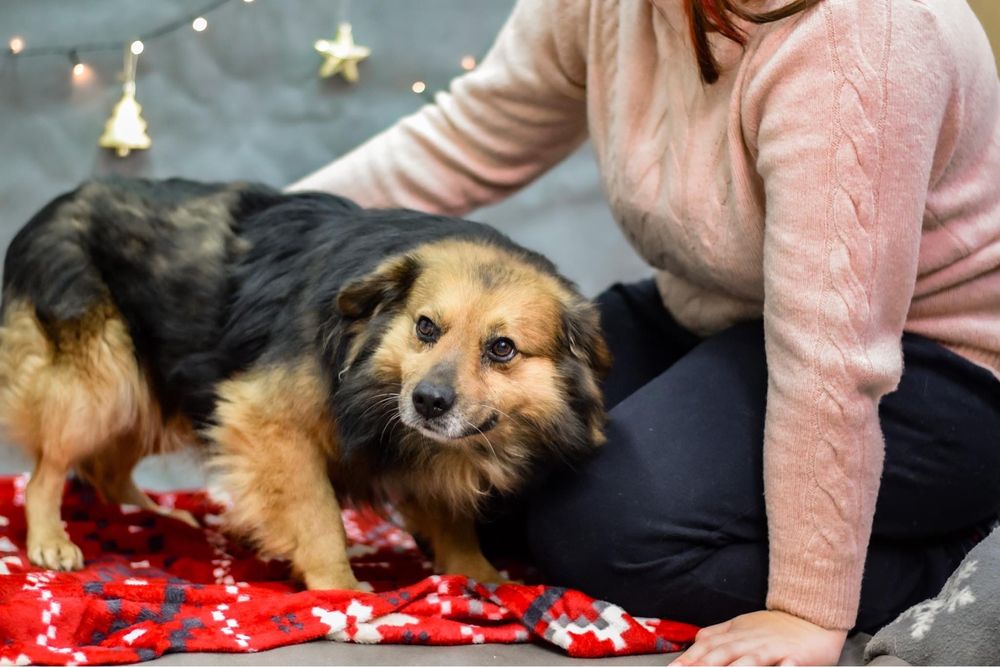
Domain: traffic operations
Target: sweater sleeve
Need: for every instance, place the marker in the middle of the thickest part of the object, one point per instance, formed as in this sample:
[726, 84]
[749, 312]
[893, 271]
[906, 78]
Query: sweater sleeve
[499, 127]
[847, 110]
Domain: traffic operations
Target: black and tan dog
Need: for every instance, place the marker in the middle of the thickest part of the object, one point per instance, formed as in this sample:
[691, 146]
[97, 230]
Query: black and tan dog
[322, 351]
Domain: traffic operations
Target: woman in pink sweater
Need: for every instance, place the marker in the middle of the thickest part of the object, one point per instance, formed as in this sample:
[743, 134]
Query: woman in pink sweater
[817, 184]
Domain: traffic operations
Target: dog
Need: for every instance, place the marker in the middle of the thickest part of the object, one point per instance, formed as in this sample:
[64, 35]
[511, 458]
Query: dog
[322, 353]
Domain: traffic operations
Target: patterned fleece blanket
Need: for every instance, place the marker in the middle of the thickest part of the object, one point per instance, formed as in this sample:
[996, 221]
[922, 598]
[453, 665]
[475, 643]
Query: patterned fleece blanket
[960, 626]
[153, 585]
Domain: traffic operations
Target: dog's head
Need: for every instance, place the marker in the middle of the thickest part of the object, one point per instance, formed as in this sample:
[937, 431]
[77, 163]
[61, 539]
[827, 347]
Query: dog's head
[465, 345]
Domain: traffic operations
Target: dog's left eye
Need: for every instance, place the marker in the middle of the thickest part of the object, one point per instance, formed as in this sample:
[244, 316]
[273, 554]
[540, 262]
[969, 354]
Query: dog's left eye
[427, 331]
[502, 349]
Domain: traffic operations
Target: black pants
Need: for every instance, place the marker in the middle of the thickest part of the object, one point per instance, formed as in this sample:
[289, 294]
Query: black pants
[668, 520]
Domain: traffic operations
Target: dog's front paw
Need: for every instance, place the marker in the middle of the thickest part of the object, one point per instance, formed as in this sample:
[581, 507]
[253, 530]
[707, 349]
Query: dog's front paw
[55, 553]
[478, 569]
[491, 577]
[344, 581]
[181, 515]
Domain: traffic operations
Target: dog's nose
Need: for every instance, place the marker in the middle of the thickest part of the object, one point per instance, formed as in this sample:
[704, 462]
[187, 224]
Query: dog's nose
[432, 400]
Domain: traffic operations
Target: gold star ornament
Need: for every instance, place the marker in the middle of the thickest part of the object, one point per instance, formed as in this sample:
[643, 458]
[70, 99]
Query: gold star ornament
[341, 55]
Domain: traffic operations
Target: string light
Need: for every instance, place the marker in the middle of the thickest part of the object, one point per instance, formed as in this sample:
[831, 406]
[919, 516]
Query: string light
[128, 109]
[196, 20]
[79, 69]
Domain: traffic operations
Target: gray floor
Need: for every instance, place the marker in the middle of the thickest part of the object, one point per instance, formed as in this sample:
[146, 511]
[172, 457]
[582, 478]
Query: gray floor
[322, 653]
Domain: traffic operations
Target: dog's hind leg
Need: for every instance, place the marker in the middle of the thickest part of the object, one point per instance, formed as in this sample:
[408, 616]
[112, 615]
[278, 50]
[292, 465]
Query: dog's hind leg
[130, 494]
[48, 544]
[110, 472]
[65, 393]
[273, 443]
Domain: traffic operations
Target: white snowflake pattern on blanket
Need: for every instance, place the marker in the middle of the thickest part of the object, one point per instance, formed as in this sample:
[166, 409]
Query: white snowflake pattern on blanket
[953, 596]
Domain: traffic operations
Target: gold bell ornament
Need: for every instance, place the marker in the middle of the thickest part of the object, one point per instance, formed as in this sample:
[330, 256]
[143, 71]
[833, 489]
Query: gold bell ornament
[125, 131]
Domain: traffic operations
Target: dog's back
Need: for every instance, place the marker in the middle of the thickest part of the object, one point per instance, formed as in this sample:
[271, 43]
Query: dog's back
[155, 255]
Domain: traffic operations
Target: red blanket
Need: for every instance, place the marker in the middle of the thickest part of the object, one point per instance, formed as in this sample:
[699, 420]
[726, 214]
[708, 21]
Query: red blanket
[153, 585]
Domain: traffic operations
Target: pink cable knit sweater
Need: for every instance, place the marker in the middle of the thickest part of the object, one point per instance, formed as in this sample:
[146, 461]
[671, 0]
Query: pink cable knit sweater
[841, 179]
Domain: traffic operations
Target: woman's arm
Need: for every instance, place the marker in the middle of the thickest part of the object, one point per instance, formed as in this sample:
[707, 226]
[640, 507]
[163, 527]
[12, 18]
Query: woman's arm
[500, 126]
[845, 114]
[850, 119]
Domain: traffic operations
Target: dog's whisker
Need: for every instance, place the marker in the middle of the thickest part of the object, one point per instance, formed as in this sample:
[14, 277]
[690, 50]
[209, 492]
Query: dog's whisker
[381, 402]
[490, 444]
[370, 408]
[384, 398]
[391, 394]
[494, 409]
[392, 415]
[398, 421]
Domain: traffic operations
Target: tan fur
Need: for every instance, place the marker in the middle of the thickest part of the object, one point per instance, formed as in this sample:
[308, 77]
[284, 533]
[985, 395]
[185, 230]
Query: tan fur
[78, 400]
[274, 442]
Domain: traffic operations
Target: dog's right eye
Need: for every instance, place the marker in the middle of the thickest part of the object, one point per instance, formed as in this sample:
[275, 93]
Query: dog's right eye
[427, 331]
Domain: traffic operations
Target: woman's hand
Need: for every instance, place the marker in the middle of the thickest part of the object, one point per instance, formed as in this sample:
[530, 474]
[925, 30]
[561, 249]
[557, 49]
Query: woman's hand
[765, 638]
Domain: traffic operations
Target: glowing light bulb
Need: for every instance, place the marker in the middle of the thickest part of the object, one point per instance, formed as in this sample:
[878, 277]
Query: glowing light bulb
[468, 63]
[137, 47]
[16, 45]
[79, 70]
[418, 87]
[199, 24]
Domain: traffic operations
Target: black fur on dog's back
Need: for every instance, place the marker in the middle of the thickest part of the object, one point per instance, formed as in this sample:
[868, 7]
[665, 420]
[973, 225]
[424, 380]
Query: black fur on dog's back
[160, 251]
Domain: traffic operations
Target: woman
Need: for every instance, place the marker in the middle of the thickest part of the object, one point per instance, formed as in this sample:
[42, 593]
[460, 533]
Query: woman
[816, 183]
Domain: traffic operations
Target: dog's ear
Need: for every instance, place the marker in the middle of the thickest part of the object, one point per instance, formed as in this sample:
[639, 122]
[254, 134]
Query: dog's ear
[386, 285]
[582, 325]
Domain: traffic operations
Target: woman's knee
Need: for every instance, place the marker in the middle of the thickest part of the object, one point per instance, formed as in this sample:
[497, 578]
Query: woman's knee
[678, 480]
[650, 569]
[602, 543]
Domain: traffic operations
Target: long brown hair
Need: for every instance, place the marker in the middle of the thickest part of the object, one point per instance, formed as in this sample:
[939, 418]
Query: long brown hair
[705, 16]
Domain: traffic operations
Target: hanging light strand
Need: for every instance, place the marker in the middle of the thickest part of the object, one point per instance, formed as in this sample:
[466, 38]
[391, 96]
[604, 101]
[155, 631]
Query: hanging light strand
[17, 48]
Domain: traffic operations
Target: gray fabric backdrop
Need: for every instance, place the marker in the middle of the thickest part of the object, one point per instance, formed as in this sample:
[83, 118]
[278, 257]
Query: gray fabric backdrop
[242, 101]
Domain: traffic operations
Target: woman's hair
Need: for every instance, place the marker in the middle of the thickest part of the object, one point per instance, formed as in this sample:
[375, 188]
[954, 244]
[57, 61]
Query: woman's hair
[705, 16]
